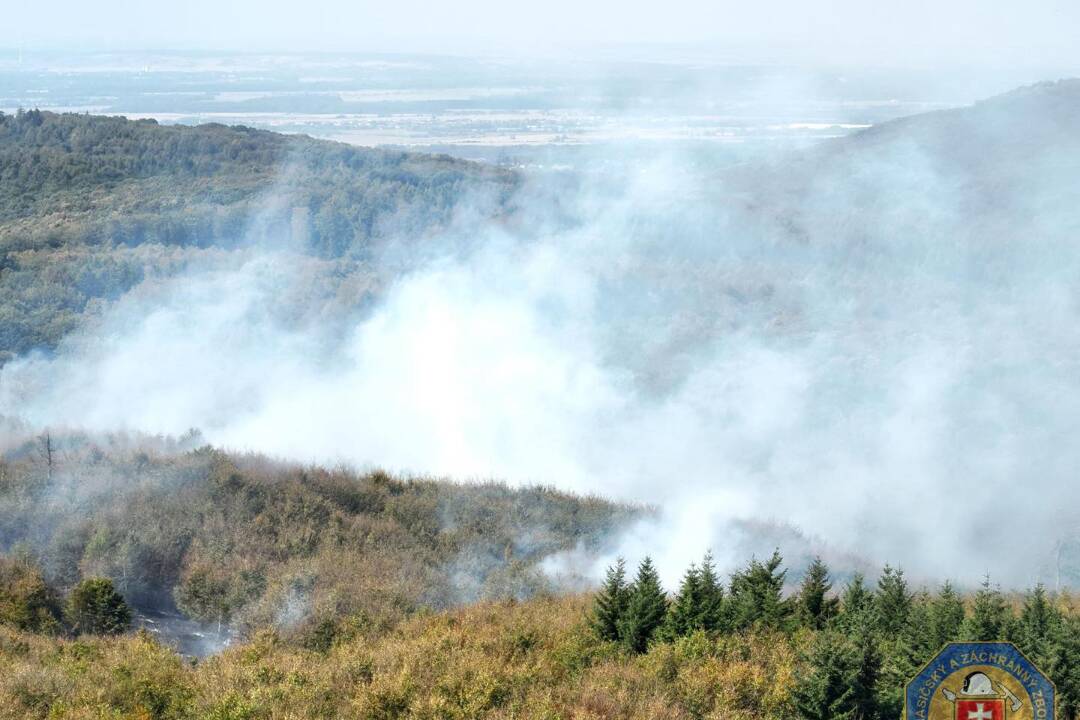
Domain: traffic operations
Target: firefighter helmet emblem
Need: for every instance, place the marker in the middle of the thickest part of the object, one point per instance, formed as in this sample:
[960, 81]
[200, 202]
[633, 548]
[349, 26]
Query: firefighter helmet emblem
[980, 699]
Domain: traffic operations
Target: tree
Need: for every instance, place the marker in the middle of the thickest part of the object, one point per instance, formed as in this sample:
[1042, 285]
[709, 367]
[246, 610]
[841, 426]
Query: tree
[1038, 626]
[946, 616]
[1064, 666]
[864, 637]
[203, 593]
[989, 615]
[712, 617]
[699, 604]
[27, 602]
[826, 685]
[902, 657]
[856, 600]
[47, 450]
[645, 609]
[858, 622]
[95, 608]
[757, 594]
[892, 602]
[684, 614]
[610, 603]
[815, 607]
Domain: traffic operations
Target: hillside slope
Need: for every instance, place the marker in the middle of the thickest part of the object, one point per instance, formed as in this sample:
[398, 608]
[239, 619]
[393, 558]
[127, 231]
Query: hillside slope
[91, 206]
[246, 541]
[78, 179]
[996, 173]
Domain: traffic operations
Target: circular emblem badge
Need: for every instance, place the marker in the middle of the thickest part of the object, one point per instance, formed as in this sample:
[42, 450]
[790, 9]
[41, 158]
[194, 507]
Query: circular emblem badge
[980, 681]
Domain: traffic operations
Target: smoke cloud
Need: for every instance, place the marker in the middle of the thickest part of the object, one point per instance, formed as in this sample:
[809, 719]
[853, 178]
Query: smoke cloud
[867, 342]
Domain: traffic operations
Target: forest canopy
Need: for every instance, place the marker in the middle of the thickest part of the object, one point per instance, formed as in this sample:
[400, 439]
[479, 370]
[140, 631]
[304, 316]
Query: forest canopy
[91, 206]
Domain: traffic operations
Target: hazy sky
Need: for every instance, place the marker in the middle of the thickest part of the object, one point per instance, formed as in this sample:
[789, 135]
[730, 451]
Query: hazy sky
[894, 32]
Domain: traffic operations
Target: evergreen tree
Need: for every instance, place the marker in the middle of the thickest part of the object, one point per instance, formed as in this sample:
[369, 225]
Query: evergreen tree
[699, 604]
[903, 656]
[918, 632]
[855, 601]
[686, 612]
[946, 616]
[645, 609]
[757, 594]
[892, 602]
[825, 687]
[1064, 665]
[815, 607]
[990, 616]
[858, 623]
[95, 608]
[1038, 626]
[610, 603]
[862, 631]
[713, 615]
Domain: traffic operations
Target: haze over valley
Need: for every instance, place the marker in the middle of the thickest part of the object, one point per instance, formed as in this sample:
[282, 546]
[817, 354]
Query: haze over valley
[325, 363]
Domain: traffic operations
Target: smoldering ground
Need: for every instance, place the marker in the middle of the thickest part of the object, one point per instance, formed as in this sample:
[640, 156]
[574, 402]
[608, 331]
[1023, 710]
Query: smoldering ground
[874, 340]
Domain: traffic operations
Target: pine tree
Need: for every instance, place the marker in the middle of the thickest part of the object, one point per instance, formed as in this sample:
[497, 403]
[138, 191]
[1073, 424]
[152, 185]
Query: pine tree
[713, 615]
[685, 614]
[990, 616]
[610, 603]
[699, 604]
[946, 616]
[815, 607]
[757, 594]
[1064, 665]
[902, 657]
[1037, 627]
[858, 623]
[825, 688]
[855, 601]
[645, 609]
[918, 631]
[862, 631]
[892, 602]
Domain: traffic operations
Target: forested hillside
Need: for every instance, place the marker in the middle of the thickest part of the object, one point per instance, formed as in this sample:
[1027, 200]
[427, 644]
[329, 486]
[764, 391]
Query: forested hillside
[91, 206]
[246, 542]
[70, 179]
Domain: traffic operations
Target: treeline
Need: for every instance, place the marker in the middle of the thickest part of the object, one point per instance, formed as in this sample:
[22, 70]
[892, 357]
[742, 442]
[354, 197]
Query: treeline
[81, 196]
[68, 179]
[865, 643]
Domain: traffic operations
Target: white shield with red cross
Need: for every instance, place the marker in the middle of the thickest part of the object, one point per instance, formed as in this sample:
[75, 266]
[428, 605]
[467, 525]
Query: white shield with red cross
[982, 708]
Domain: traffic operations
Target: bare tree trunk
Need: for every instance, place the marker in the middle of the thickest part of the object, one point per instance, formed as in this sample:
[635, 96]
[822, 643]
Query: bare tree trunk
[47, 454]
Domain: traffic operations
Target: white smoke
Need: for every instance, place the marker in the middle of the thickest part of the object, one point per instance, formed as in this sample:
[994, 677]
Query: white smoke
[884, 377]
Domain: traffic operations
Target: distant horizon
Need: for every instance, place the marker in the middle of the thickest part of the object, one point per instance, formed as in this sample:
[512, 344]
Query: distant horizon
[614, 53]
[917, 33]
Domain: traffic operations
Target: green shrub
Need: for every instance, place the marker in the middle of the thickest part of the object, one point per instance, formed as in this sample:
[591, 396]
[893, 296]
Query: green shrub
[95, 608]
[27, 602]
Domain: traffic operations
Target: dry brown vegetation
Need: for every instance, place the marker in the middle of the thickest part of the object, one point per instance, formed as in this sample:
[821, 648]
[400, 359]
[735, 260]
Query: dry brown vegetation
[361, 595]
[251, 542]
[507, 659]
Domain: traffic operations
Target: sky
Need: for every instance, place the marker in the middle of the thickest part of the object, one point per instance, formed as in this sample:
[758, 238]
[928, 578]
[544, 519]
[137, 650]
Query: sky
[922, 33]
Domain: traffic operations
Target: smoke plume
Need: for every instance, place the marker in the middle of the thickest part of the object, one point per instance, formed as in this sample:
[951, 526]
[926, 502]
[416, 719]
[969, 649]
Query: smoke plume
[874, 341]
